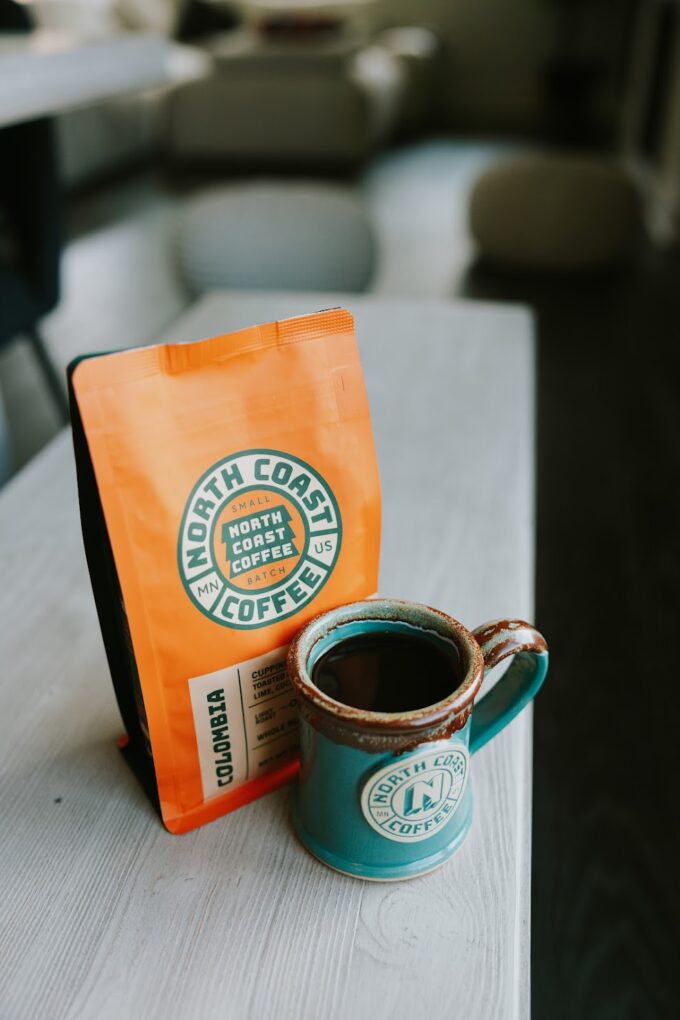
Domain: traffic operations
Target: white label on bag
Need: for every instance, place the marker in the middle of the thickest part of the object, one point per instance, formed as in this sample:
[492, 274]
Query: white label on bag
[245, 720]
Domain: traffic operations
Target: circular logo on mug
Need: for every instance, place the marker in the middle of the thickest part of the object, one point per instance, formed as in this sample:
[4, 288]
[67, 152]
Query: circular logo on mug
[259, 538]
[413, 799]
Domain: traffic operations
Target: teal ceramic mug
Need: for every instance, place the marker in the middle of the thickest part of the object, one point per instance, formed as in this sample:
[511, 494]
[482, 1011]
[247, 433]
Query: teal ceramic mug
[386, 795]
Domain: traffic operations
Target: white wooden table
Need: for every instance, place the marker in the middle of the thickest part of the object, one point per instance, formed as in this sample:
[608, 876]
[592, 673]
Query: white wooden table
[48, 71]
[102, 913]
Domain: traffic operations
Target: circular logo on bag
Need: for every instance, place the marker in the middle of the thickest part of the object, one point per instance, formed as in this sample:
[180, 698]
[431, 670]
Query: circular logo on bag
[259, 538]
[413, 799]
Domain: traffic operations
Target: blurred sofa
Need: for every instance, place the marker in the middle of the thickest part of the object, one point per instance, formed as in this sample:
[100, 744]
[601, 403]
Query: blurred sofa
[331, 101]
[273, 100]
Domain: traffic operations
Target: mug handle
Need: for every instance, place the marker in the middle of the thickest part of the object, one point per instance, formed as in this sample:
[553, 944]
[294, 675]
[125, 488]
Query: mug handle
[520, 682]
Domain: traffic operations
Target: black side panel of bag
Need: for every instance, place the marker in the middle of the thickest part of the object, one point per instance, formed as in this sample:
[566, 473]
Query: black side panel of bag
[110, 608]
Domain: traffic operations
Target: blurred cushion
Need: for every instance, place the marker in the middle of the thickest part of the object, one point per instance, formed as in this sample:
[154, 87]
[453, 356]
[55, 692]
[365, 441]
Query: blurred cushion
[82, 16]
[275, 235]
[555, 213]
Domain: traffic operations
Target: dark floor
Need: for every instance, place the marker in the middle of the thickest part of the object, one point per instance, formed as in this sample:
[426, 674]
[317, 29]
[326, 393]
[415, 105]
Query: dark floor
[606, 851]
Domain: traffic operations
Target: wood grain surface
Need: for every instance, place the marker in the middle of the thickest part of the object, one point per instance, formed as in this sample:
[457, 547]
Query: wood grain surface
[103, 913]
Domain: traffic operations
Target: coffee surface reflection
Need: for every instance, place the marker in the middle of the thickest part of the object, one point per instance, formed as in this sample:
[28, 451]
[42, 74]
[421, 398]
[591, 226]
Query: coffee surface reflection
[388, 672]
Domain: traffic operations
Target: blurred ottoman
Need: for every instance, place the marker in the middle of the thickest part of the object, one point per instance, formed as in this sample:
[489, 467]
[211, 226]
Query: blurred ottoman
[555, 214]
[278, 235]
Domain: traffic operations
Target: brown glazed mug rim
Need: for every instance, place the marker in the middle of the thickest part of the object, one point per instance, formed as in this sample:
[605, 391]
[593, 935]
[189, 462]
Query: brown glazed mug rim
[448, 714]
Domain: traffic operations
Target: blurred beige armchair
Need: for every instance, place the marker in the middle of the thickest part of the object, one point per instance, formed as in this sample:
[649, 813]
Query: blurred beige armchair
[329, 101]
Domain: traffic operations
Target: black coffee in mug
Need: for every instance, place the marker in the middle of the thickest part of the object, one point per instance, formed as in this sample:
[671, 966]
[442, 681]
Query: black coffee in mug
[386, 671]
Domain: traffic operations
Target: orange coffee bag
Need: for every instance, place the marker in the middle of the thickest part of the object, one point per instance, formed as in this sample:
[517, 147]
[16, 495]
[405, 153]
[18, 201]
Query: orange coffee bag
[229, 492]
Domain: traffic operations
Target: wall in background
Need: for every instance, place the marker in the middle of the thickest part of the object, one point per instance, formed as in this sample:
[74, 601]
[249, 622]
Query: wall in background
[496, 51]
[651, 123]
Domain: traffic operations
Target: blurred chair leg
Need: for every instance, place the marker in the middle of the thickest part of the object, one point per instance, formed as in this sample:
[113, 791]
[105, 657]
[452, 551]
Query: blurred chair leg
[50, 373]
[5, 446]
